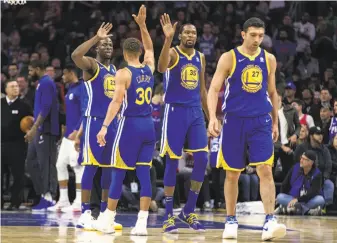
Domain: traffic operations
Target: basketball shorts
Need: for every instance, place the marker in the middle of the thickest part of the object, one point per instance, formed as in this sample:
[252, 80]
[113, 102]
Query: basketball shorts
[134, 143]
[67, 154]
[183, 126]
[91, 152]
[239, 134]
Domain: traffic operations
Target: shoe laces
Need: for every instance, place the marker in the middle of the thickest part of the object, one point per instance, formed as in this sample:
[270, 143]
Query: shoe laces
[192, 218]
[169, 222]
[231, 220]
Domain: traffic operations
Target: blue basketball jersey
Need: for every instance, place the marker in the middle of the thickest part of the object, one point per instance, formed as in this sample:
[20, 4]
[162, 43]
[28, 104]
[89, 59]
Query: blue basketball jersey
[182, 80]
[333, 128]
[137, 100]
[246, 89]
[100, 90]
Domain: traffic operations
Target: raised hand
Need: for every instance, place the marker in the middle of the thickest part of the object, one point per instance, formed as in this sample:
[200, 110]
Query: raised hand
[103, 31]
[168, 29]
[141, 17]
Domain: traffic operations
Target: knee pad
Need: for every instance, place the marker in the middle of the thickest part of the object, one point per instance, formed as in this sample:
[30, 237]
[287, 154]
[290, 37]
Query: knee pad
[170, 172]
[88, 177]
[199, 168]
[78, 170]
[62, 171]
[106, 178]
[116, 185]
[143, 175]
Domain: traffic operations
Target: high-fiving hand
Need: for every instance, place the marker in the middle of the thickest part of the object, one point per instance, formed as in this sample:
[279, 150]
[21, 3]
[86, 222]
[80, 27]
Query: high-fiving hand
[141, 17]
[168, 29]
[103, 31]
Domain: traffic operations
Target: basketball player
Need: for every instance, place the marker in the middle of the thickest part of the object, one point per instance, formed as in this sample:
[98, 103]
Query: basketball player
[184, 83]
[135, 140]
[250, 97]
[67, 153]
[99, 77]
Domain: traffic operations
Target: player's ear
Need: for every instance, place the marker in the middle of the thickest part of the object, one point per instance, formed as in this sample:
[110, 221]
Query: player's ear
[243, 34]
[179, 37]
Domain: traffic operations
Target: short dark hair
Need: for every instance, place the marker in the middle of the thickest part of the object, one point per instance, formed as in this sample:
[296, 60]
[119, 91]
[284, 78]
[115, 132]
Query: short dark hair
[324, 88]
[132, 46]
[181, 29]
[70, 67]
[38, 64]
[253, 22]
[298, 102]
[9, 81]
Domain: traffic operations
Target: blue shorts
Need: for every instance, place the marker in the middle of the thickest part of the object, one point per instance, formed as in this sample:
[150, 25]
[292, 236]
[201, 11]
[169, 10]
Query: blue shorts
[183, 124]
[238, 135]
[91, 153]
[134, 143]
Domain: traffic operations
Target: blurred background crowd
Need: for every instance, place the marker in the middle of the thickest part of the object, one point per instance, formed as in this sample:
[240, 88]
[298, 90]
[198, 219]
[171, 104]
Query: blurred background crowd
[301, 35]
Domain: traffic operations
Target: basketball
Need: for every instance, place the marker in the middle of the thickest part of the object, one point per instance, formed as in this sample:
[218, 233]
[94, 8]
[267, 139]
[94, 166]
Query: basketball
[26, 123]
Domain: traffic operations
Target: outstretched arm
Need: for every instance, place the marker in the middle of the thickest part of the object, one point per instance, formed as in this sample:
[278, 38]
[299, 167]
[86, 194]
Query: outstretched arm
[167, 56]
[88, 64]
[123, 78]
[146, 38]
[221, 73]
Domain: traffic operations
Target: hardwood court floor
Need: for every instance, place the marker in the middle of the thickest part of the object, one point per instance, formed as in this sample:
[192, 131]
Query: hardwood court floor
[31, 228]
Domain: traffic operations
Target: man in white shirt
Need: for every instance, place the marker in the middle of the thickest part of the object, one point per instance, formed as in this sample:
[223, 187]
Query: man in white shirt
[305, 31]
[305, 119]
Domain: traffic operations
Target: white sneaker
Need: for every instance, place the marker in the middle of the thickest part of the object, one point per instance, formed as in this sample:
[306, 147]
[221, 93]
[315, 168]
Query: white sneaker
[58, 206]
[105, 222]
[73, 208]
[273, 230]
[85, 221]
[140, 228]
[231, 228]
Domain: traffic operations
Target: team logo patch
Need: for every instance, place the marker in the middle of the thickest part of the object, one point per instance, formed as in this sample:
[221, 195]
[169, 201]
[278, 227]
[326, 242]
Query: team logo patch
[109, 85]
[71, 96]
[251, 78]
[189, 76]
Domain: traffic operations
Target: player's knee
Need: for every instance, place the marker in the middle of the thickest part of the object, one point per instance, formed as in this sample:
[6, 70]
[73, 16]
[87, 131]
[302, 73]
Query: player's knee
[264, 172]
[200, 164]
[62, 172]
[170, 172]
[116, 185]
[78, 170]
[232, 176]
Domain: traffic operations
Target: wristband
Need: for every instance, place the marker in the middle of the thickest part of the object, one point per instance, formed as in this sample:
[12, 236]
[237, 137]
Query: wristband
[105, 126]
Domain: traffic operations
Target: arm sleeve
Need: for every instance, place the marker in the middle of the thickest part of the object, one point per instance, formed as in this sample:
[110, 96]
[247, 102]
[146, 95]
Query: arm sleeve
[310, 121]
[315, 189]
[47, 98]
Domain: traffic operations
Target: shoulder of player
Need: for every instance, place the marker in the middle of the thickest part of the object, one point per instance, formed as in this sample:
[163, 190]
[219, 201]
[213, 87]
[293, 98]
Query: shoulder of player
[124, 73]
[271, 57]
[227, 58]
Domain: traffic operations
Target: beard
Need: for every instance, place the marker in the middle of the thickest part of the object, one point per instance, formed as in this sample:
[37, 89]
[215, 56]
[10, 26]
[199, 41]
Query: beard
[186, 45]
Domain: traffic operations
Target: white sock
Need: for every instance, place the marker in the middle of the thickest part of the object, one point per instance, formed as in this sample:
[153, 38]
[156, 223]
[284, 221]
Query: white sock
[48, 197]
[63, 194]
[78, 196]
[143, 214]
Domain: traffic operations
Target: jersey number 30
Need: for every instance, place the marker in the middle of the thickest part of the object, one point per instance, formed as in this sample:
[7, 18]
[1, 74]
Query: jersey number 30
[144, 95]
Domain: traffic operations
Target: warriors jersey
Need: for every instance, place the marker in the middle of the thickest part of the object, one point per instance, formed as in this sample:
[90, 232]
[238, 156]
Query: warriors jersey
[246, 91]
[182, 79]
[137, 99]
[100, 89]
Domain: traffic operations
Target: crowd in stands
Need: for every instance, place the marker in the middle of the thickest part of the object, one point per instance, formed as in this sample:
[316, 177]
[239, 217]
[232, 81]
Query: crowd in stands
[302, 36]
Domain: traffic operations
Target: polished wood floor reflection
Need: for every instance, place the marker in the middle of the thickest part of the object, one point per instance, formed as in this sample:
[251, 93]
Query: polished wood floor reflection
[32, 228]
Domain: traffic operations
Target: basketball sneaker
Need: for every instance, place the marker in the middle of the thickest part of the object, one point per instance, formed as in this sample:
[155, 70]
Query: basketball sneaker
[58, 206]
[169, 225]
[105, 222]
[231, 228]
[85, 221]
[273, 230]
[140, 228]
[117, 226]
[75, 208]
[43, 205]
[191, 220]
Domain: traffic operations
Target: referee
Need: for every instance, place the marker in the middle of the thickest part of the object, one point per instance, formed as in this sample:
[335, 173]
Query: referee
[13, 146]
[42, 138]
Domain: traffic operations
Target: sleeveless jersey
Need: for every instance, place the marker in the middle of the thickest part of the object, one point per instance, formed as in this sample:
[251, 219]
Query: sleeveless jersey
[137, 99]
[333, 128]
[73, 107]
[100, 90]
[246, 89]
[303, 120]
[182, 80]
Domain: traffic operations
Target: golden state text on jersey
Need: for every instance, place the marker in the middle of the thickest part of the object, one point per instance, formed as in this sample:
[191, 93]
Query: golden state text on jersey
[246, 88]
[182, 79]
